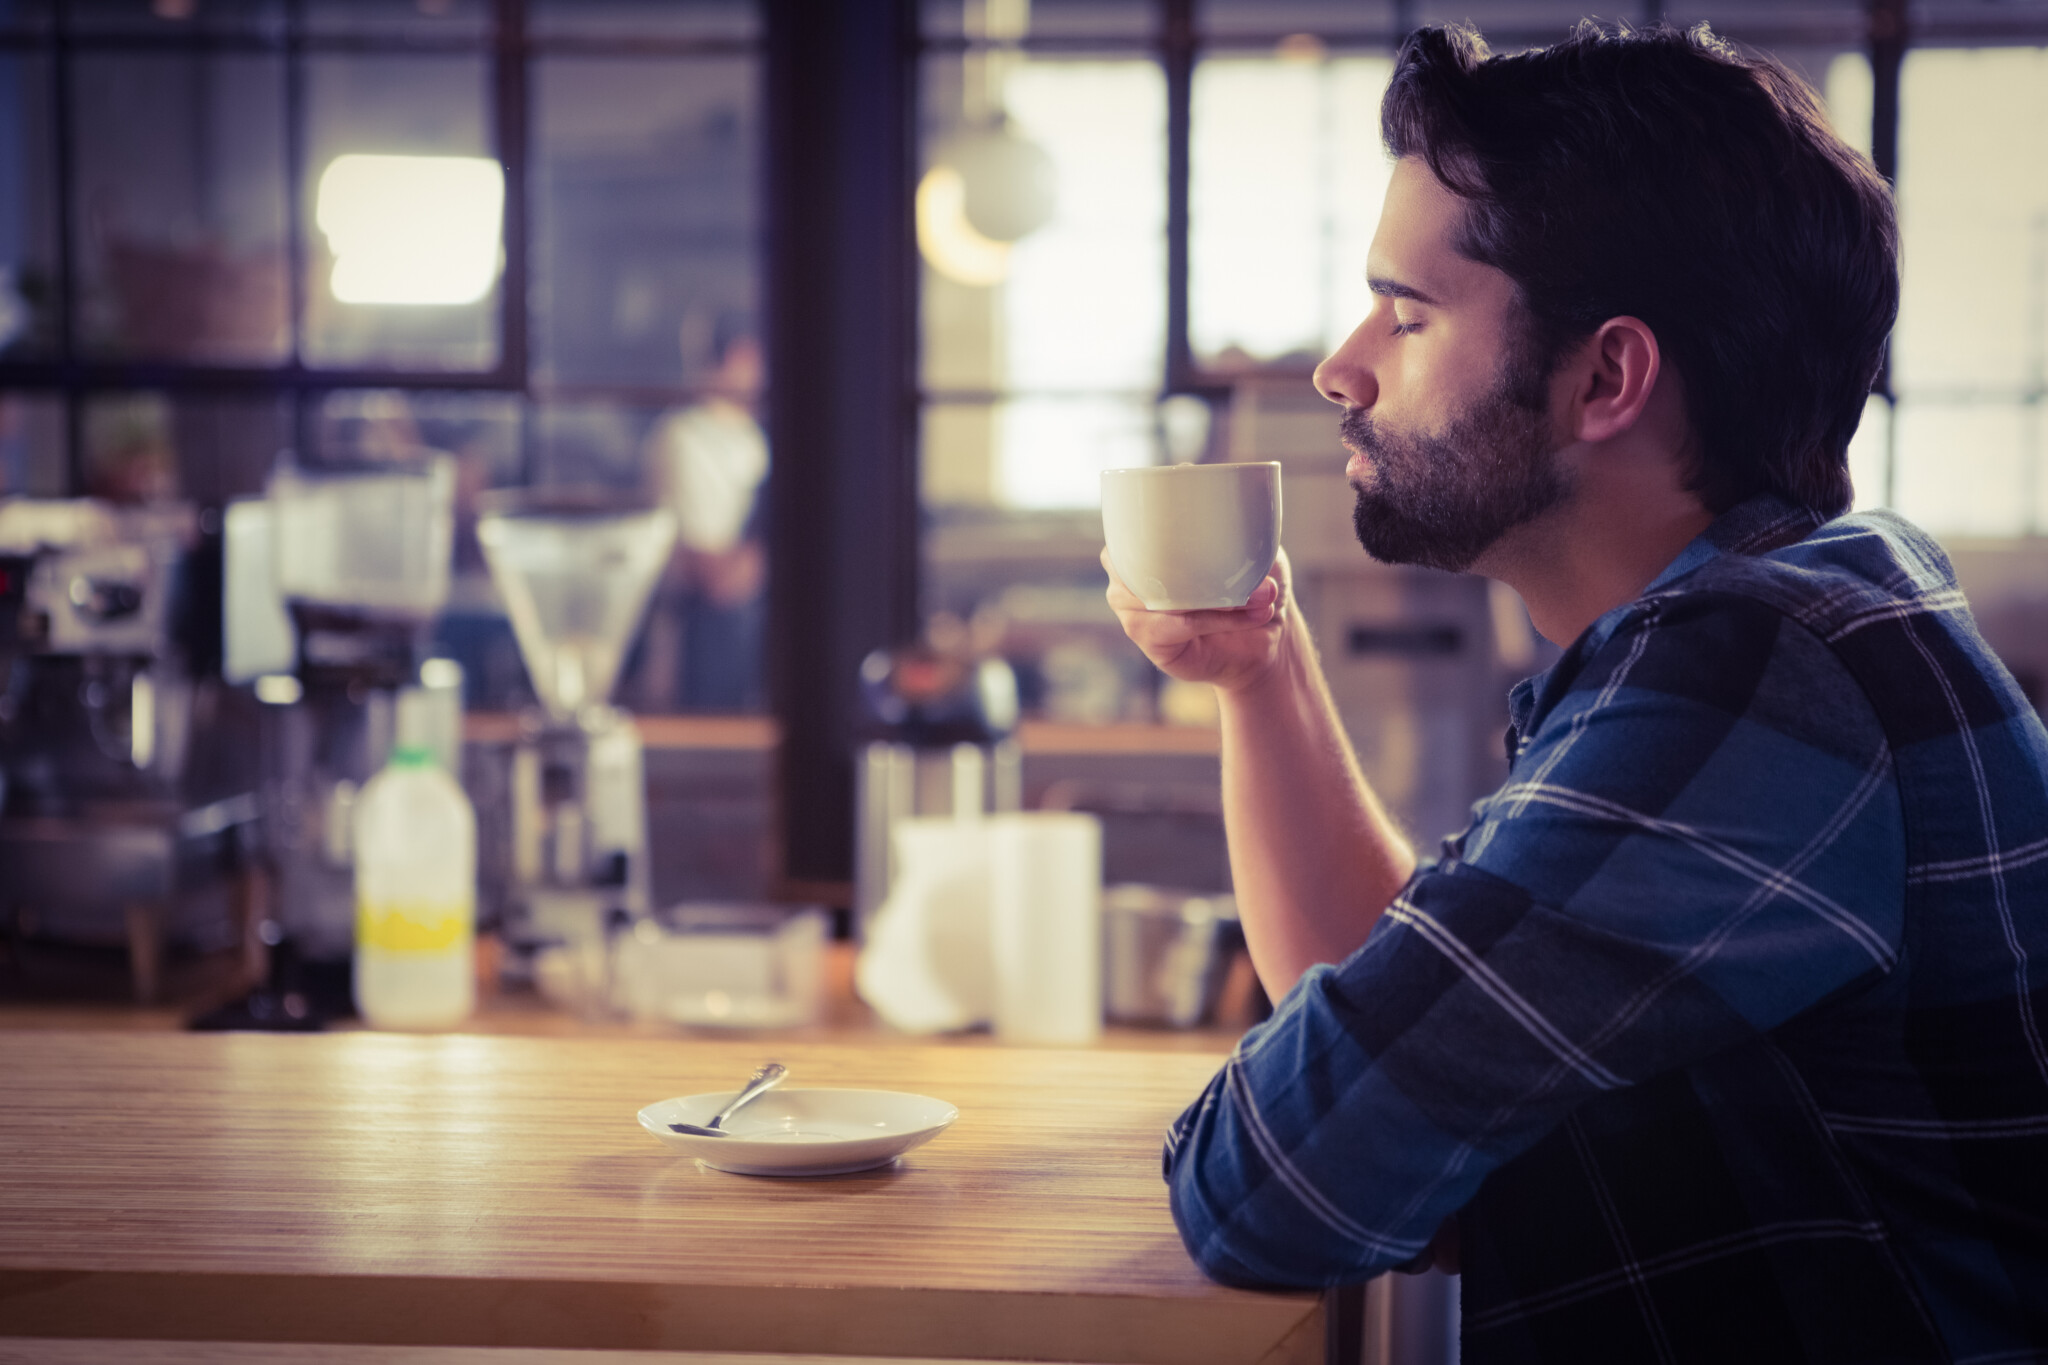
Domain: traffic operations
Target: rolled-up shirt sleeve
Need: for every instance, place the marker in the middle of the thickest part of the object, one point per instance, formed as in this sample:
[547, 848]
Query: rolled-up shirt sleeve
[1698, 840]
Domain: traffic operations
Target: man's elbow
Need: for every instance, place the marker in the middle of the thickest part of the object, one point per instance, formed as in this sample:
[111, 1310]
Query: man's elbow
[1234, 1251]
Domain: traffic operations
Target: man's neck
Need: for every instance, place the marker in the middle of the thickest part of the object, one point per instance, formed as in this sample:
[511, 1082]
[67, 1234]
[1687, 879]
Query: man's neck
[1598, 549]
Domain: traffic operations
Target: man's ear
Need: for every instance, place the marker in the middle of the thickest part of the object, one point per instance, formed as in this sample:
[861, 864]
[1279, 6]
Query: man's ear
[1618, 367]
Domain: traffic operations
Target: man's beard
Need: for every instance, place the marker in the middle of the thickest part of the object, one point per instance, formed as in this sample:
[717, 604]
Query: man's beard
[1442, 499]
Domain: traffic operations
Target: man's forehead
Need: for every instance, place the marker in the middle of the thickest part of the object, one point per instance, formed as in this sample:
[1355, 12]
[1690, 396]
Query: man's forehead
[1413, 253]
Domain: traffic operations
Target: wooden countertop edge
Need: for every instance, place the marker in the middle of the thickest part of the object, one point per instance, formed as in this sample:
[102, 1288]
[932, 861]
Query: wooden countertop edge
[755, 734]
[1227, 1326]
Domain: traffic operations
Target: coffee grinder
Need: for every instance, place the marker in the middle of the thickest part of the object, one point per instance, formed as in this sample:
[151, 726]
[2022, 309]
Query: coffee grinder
[575, 573]
[334, 580]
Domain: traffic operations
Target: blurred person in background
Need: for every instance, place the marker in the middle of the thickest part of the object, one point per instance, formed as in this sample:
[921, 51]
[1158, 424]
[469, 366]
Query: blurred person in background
[131, 454]
[709, 464]
[1721, 1032]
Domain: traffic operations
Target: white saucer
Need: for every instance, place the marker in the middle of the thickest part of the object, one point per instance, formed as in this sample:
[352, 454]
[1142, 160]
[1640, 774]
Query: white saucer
[803, 1132]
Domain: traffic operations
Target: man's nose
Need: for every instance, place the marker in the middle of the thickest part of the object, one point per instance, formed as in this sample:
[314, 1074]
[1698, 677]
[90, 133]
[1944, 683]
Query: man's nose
[1345, 378]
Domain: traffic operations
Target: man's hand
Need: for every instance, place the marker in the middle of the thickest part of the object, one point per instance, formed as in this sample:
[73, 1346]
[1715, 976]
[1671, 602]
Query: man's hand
[1232, 648]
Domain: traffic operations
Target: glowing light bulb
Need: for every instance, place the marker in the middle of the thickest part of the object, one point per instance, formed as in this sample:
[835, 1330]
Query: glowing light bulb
[948, 240]
[412, 230]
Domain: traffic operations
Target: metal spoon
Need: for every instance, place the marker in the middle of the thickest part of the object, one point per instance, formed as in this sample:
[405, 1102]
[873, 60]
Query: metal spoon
[764, 1080]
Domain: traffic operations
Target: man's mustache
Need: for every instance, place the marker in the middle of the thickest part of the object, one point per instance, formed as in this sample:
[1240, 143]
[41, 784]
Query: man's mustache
[1356, 430]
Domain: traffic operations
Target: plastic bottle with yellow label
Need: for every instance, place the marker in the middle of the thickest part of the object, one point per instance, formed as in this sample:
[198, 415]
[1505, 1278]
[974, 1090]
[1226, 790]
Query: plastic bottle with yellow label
[415, 852]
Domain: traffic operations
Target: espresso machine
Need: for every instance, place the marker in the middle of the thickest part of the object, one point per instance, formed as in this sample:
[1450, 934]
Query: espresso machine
[108, 837]
[575, 573]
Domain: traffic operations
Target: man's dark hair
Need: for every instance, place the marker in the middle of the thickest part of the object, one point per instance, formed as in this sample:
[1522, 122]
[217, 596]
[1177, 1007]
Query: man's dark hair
[1661, 175]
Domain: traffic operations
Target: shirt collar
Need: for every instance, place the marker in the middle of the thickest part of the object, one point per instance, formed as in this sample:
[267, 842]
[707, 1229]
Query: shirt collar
[1755, 526]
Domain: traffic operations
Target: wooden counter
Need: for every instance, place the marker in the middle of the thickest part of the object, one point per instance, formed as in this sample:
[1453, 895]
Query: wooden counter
[470, 1191]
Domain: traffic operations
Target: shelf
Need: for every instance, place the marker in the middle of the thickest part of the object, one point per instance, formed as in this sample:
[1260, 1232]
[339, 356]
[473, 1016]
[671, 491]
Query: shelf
[759, 734]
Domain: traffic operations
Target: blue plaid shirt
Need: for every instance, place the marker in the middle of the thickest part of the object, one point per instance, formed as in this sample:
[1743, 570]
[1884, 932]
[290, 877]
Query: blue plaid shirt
[1721, 1028]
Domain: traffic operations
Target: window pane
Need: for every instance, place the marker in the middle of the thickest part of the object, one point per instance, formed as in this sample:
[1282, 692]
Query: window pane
[1972, 338]
[2034, 452]
[1870, 454]
[1087, 292]
[479, 431]
[1850, 92]
[701, 649]
[591, 444]
[129, 447]
[175, 17]
[1077, 302]
[1287, 175]
[227, 443]
[28, 219]
[1761, 21]
[1270, 19]
[1029, 586]
[399, 18]
[981, 20]
[1989, 21]
[480, 434]
[1973, 210]
[32, 445]
[1033, 453]
[403, 208]
[673, 19]
[180, 206]
[25, 16]
[144, 445]
[1506, 23]
[1967, 469]
[646, 230]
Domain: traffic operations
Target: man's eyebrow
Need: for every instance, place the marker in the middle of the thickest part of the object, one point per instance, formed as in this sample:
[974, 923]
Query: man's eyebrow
[1394, 289]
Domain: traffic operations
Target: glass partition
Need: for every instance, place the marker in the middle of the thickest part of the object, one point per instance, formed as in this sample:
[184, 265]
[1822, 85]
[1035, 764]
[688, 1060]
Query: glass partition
[179, 198]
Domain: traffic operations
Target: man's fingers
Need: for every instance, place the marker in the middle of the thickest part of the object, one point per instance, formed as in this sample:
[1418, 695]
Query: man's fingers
[1164, 629]
[1122, 600]
[1198, 644]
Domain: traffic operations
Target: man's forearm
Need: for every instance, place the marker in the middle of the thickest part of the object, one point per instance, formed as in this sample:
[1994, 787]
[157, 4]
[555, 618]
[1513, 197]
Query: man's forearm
[1312, 853]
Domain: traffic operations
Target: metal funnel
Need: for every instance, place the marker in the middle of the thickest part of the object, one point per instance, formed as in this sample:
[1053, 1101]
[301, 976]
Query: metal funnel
[575, 573]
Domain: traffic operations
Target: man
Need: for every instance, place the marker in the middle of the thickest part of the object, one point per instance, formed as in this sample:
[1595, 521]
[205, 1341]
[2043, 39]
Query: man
[1718, 1035]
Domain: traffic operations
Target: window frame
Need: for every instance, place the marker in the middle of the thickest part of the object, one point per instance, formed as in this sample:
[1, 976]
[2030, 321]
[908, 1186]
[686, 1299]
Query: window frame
[1884, 31]
[510, 48]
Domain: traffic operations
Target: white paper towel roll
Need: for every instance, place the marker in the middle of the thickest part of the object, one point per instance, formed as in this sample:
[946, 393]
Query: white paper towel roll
[1045, 927]
[926, 965]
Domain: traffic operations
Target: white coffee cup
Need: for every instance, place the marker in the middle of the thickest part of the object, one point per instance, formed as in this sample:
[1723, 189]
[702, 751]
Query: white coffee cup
[1192, 537]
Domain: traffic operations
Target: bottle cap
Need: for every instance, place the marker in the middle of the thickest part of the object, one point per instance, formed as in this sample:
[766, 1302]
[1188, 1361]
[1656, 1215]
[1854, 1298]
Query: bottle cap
[414, 744]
